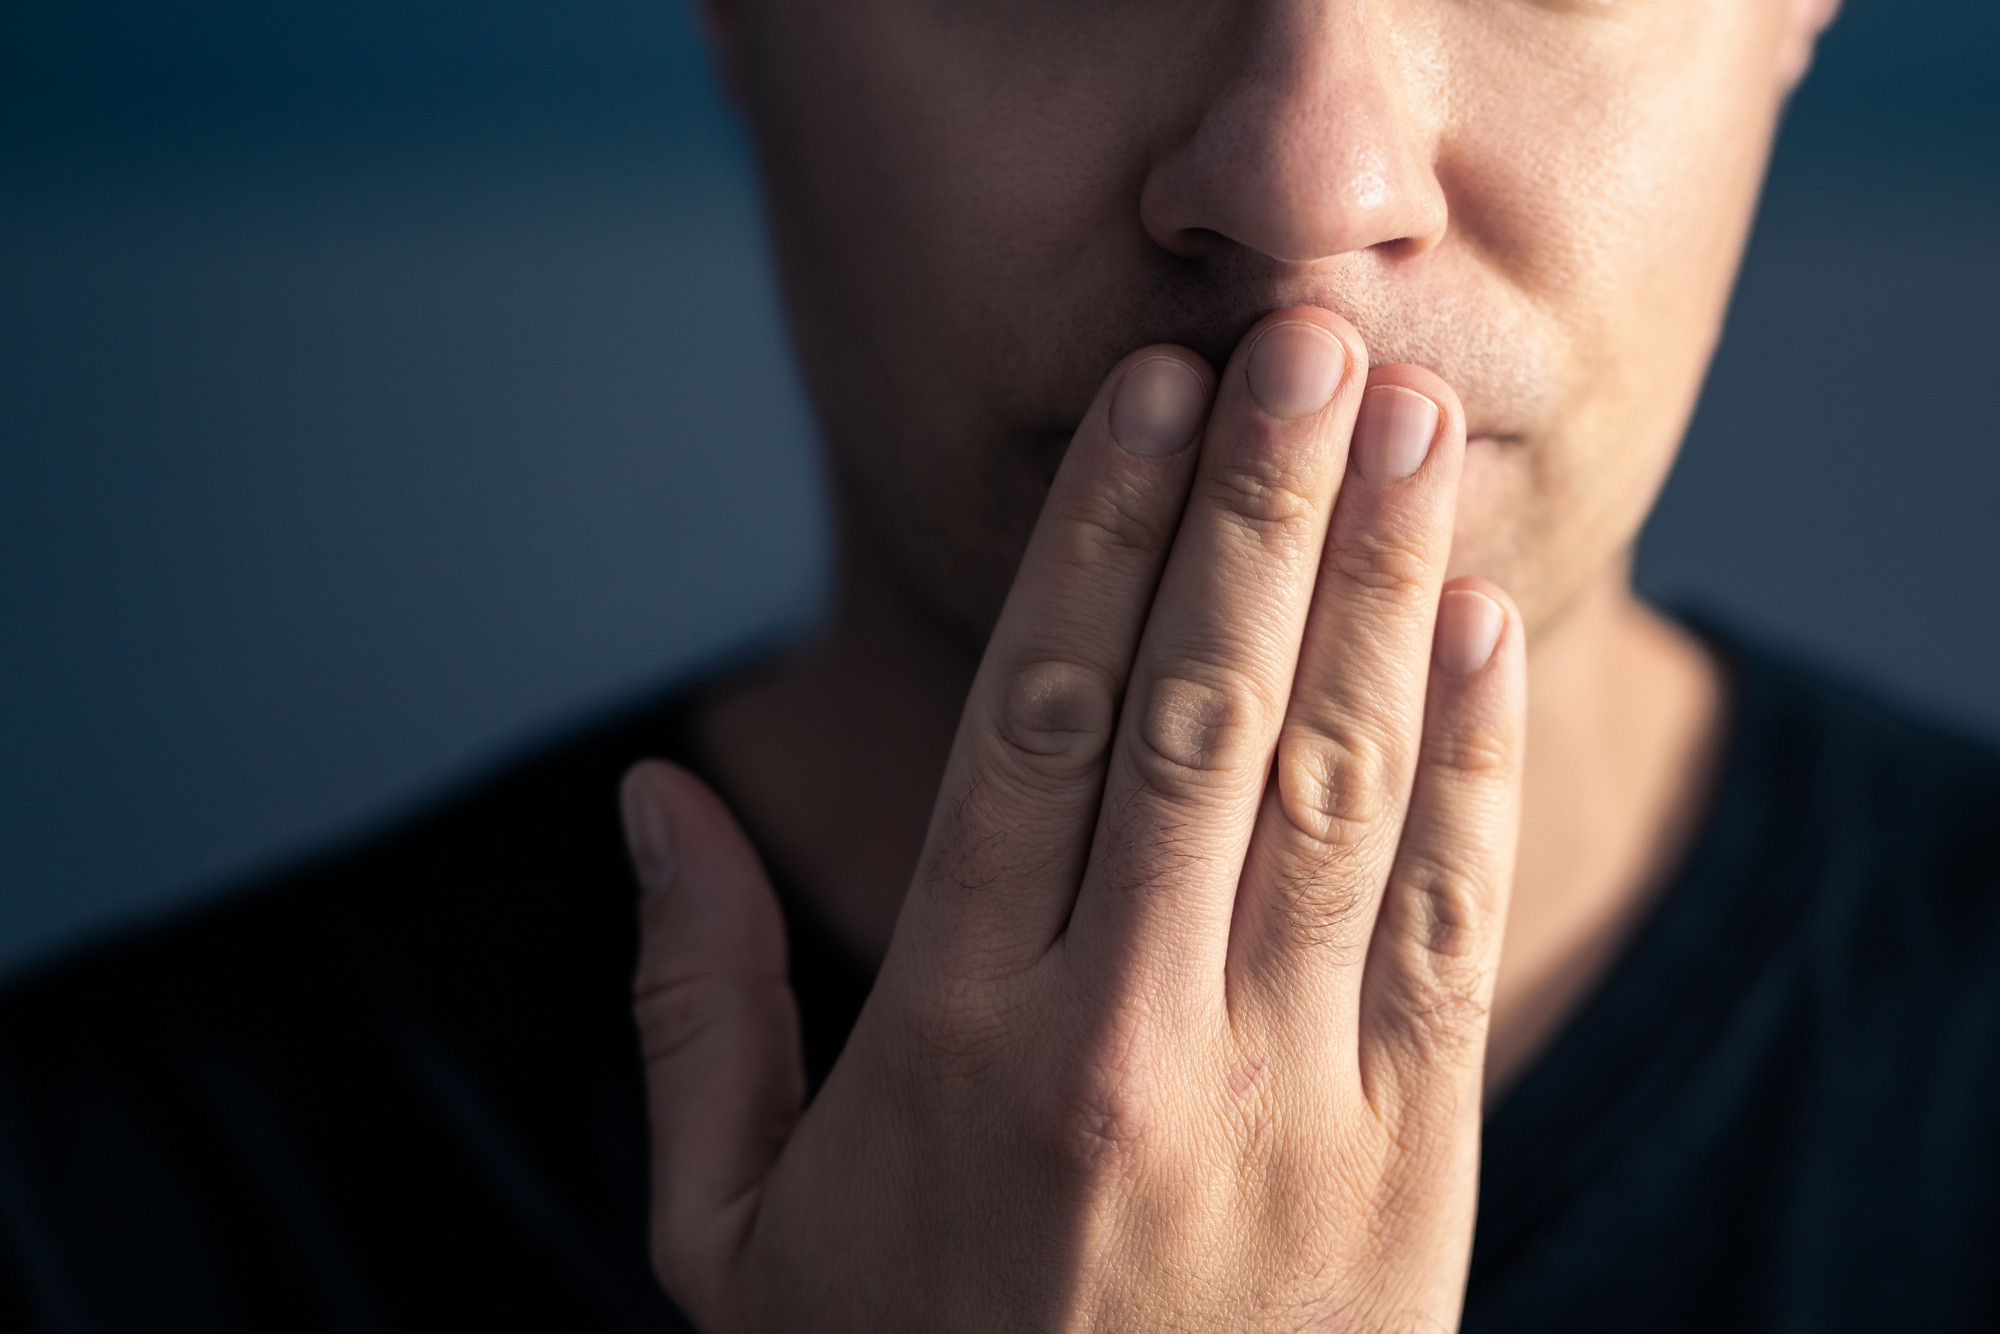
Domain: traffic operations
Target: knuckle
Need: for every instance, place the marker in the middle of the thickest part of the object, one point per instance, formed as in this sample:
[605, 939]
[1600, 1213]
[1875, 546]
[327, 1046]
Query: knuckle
[1475, 753]
[1453, 915]
[1444, 931]
[960, 1029]
[1116, 519]
[1103, 1119]
[1265, 497]
[1334, 786]
[1056, 715]
[1193, 733]
[673, 1010]
[1381, 567]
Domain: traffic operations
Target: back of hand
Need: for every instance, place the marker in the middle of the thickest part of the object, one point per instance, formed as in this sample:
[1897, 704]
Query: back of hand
[1183, 1022]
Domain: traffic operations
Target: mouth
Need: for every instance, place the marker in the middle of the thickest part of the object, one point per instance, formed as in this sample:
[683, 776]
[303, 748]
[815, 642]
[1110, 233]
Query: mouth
[1051, 445]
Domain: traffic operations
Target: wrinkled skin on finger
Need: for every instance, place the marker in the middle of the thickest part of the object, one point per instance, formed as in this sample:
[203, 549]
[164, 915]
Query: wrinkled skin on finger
[1104, 1081]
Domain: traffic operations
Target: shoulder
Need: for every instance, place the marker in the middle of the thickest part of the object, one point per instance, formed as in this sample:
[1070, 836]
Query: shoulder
[1778, 1107]
[382, 1081]
[1897, 779]
[1887, 818]
[507, 859]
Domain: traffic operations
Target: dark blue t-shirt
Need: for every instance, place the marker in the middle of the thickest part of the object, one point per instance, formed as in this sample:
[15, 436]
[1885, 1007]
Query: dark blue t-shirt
[398, 1089]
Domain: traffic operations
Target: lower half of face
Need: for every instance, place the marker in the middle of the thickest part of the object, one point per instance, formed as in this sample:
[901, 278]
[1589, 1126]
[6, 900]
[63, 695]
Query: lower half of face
[965, 203]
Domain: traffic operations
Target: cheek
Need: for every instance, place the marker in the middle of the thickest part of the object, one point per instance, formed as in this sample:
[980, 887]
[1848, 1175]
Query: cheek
[1617, 200]
[1612, 175]
[938, 197]
[944, 170]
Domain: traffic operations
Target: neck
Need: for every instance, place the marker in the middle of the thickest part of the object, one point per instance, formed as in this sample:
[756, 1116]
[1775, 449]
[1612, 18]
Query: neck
[1625, 725]
[834, 759]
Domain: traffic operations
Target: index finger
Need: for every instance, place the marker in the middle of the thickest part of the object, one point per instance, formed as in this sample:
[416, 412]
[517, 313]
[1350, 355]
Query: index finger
[1011, 829]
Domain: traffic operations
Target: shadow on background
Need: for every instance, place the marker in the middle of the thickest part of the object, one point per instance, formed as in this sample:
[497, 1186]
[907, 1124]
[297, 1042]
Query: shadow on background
[383, 385]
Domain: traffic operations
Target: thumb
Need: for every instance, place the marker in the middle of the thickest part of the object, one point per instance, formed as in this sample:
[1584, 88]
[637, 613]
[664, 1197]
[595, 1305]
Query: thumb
[717, 1026]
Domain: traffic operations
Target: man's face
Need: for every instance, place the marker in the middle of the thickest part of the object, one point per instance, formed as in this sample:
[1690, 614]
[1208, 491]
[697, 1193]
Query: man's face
[980, 205]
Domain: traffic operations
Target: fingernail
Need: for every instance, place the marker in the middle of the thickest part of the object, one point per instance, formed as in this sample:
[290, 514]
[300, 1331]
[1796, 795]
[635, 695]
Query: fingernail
[1393, 434]
[1158, 407]
[1294, 369]
[648, 837]
[1468, 629]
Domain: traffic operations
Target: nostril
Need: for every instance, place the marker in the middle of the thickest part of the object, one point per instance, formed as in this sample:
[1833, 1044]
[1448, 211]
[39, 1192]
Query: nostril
[1302, 154]
[1194, 243]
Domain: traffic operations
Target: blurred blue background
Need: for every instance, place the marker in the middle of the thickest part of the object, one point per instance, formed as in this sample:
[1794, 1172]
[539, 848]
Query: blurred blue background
[385, 386]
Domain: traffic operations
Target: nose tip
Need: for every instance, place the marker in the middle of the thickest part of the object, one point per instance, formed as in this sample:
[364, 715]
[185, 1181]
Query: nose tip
[1303, 212]
[1304, 156]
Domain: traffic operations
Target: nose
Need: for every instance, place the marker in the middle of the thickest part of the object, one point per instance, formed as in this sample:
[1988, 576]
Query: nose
[1312, 144]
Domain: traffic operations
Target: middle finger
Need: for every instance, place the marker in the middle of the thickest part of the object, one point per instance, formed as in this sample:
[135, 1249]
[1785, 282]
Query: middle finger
[1334, 809]
[1209, 685]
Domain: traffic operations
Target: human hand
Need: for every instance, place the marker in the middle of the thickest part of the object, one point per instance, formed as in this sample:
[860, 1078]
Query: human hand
[1183, 1021]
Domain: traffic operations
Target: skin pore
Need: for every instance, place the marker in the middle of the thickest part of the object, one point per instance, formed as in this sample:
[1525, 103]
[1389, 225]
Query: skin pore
[979, 208]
